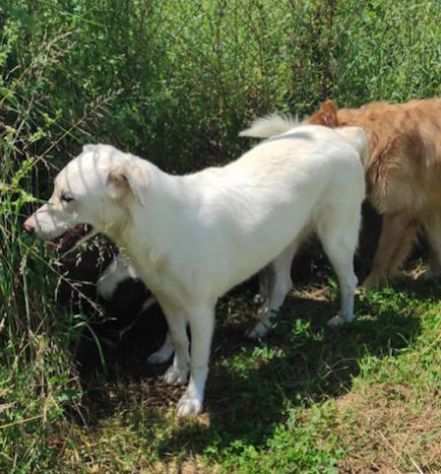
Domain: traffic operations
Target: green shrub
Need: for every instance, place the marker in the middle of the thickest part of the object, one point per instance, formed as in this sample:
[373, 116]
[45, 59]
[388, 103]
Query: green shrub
[173, 81]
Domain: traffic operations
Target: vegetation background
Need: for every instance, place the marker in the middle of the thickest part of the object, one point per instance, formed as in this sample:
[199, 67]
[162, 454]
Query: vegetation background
[174, 81]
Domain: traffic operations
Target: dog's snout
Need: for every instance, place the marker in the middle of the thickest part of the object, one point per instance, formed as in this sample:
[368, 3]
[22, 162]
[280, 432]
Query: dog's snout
[29, 226]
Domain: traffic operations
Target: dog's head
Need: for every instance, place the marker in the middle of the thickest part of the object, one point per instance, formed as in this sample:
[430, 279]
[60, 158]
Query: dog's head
[99, 188]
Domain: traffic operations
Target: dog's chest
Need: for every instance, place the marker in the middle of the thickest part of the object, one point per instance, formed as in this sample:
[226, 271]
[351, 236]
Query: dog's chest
[163, 279]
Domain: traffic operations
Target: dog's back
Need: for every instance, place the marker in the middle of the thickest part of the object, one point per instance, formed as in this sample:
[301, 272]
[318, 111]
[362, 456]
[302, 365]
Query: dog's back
[279, 189]
[403, 170]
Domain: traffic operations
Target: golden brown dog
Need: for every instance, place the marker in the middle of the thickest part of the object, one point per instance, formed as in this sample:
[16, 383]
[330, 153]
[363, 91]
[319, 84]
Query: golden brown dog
[403, 175]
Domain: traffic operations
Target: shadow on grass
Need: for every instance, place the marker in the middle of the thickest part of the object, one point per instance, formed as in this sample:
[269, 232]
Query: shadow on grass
[303, 362]
[252, 386]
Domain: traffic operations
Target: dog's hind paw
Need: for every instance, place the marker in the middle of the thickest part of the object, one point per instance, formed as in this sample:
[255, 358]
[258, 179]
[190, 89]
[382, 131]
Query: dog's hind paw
[260, 330]
[374, 282]
[189, 406]
[175, 376]
[336, 321]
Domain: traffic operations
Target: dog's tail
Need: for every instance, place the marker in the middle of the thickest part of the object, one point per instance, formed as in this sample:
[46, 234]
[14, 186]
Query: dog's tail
[269, 126]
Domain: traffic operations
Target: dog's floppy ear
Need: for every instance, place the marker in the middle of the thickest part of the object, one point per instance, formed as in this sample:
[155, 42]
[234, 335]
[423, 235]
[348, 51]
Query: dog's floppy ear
[126, 179]
[326, 115]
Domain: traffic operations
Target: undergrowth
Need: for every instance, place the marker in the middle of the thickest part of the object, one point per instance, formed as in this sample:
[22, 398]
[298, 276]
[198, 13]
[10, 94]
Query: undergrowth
[174, 82]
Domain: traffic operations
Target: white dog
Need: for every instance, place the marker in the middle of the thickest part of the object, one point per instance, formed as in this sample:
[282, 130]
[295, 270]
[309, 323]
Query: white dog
[192, 238]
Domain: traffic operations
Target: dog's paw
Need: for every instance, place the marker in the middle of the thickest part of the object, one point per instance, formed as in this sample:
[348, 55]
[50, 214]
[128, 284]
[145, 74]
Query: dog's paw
[259, 331]
[336, 321]
[175, 376]
[189, 406]
[161, 356]
[373, 282]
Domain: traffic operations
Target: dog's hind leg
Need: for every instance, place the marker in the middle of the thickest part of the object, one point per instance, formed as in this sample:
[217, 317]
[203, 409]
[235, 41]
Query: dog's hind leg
[201, 320]
[338, 233]
[277, 285]
[266, 281]
[393, 228]
[404, 248]
[432, 226]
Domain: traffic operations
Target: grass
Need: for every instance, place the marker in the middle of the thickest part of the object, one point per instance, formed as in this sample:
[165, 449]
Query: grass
[364, 398]
[309, 399]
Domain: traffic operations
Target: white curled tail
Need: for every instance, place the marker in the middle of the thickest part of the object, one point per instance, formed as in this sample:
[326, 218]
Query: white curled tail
[269, 126]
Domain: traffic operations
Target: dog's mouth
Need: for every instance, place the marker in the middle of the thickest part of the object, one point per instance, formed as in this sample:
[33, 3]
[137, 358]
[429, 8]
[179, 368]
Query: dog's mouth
[72, 238]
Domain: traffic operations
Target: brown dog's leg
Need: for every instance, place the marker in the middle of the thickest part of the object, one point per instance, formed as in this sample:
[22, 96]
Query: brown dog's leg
[432, 226]
[404, 248]
[388, 252]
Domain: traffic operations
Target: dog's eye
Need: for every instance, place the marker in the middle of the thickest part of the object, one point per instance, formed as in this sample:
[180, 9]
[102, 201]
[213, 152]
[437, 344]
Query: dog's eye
[66, 197]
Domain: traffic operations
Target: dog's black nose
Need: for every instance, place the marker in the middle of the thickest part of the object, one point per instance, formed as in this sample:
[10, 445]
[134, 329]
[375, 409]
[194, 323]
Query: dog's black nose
[28, 226]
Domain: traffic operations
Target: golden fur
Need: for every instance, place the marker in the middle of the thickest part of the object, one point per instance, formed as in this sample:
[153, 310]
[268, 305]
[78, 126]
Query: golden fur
[403, 175]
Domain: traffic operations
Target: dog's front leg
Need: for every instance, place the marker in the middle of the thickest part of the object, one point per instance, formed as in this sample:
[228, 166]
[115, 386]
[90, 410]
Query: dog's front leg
[201, 327]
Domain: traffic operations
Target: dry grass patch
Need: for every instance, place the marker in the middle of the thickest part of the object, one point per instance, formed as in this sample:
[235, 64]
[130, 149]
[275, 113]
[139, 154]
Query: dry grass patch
[387, 428]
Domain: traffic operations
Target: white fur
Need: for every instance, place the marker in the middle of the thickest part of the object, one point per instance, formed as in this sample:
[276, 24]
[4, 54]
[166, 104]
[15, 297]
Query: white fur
[192, 238]
[269, 126]
[114, 274]
[278, 124]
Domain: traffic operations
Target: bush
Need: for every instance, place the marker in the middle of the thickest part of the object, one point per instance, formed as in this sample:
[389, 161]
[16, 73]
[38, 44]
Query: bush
[173, 82]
